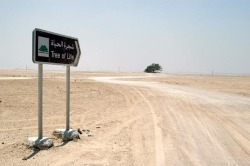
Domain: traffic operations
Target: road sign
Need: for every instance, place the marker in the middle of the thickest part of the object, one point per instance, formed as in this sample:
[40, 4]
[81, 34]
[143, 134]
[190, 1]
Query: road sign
[53, 48]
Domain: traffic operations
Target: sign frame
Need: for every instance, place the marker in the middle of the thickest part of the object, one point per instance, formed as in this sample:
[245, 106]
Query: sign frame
[47, 34]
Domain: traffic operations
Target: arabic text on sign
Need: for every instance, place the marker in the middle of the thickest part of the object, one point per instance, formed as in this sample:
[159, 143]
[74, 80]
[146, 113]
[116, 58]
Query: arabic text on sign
[62, 45]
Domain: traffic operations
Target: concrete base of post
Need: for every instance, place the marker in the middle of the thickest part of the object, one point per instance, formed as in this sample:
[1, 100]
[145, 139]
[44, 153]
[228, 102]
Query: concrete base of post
[44, 143]
[66, 135]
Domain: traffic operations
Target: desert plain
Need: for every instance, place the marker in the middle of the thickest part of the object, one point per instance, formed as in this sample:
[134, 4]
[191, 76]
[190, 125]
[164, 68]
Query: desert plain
[127, 118]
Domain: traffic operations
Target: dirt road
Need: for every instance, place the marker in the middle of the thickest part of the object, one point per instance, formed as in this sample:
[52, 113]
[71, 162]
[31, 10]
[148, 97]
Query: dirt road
[192, 126]
[141, 122]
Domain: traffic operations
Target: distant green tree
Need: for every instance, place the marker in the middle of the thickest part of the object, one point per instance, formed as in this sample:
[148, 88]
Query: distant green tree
[154, 67]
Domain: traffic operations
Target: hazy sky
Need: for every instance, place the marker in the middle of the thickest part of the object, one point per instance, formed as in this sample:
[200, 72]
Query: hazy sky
[180, 35]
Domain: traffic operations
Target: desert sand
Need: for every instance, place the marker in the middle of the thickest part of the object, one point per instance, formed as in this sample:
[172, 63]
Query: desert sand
[127, 119]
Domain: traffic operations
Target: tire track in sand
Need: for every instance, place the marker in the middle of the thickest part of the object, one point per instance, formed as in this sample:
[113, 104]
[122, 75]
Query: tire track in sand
[159, 150]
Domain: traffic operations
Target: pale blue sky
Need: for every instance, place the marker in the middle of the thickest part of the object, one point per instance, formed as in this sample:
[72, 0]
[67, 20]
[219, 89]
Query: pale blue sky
[181, 35]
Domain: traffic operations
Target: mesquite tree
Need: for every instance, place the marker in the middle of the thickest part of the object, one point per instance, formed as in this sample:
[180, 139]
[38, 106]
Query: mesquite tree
[153, 68]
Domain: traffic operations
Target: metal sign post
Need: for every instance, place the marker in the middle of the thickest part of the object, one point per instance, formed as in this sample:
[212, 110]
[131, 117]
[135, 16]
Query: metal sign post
[53, 48]
[40, 101]
[67, 96]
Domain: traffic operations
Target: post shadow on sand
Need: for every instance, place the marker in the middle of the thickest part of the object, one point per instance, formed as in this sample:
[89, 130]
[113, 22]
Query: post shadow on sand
[63, 144]
[35, 151]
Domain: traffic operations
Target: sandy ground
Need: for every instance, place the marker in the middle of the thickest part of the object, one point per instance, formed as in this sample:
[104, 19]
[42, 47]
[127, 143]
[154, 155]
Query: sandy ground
[132, 118]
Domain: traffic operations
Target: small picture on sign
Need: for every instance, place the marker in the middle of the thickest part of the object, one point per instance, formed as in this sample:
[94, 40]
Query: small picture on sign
[43, 46]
